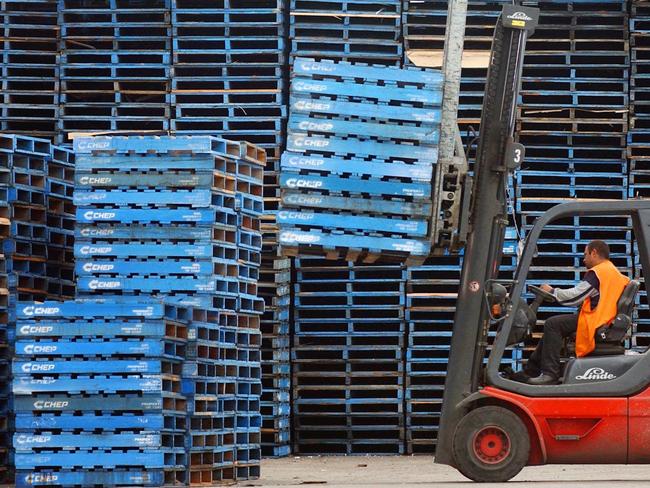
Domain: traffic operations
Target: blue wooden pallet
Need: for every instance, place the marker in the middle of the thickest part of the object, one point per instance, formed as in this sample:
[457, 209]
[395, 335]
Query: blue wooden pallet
[327, 68]
[139, 308]
[98, 403]
[25, 144]
[149, 162]
[207, 284]
[154, 232]
[19, 367]
[417, 191]
[148, 198]
[27, 442]
[149, 477]
[291, 237]
[146, 348]
[377, 93]
[88, 180]
[99, 384]
[300, 143]
[145, 216]
[100, 459]
[300, 103]
[299, 123]
[193, 267]
[410, 227]
[136, 249]
[155, 144]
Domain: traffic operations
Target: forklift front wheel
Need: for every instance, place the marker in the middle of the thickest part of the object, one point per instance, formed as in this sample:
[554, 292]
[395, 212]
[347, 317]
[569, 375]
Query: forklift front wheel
[491, 444]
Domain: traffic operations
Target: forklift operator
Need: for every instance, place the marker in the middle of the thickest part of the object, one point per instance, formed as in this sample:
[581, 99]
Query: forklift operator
[598, 293]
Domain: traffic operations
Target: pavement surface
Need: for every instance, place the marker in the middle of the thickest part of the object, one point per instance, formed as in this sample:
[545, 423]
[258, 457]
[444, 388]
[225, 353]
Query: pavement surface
[420, 472]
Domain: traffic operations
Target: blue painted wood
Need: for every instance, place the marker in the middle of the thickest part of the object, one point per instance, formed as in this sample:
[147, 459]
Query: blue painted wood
[27, 442]
[410, 227]
[355, 147]
[155, 267]
[85, 179]
[109, 403]
[417, 191]
[103, 384]
[196, 198]
[86, 367]
[90, 459]
[150, 144]
[310, 67]
[26, 479]
[305, 105]
[90, 328]
[298, 162]
[203, 284]
[292, 237]
[153, 162]
[303, 123]
[84, 250]
[145, 308]
[163, 216]
[132, 232]
[91, 422]
[146, 347]
[386, 93]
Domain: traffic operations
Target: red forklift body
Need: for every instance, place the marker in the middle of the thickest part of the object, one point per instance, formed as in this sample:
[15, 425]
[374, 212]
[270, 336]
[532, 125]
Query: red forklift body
[582, 430]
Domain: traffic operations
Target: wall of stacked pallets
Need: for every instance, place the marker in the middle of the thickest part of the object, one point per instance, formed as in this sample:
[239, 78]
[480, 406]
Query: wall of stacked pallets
[147, 394]
[179, 218]
[638, 141]
[573, 120]
[37, 235]
[205, 67]
[29, 101]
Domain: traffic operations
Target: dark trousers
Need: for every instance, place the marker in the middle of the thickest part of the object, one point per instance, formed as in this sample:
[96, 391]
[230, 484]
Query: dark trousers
[546, 358]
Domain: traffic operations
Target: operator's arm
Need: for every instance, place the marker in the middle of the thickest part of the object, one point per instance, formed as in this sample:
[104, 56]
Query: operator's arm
[588, 287]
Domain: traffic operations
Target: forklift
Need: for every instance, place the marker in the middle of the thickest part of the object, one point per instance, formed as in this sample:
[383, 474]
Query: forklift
[492, 426]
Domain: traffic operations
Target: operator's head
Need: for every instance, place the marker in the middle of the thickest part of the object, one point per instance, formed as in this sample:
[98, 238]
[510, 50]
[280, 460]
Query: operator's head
[595, 253]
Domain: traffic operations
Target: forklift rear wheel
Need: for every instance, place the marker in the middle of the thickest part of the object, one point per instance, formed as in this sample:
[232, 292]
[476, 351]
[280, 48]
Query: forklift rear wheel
[491, 444]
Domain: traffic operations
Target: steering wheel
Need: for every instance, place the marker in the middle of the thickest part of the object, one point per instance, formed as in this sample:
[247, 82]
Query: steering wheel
[546, 296]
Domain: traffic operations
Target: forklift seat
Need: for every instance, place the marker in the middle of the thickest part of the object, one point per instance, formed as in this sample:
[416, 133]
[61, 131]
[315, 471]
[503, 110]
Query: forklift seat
[610, 337]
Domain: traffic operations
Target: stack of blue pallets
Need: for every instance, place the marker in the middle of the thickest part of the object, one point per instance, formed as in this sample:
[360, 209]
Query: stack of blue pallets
[356, 176]
[175, 216]
[36, 222]
[221, 379]
[573, 121]
[97, 394]
[38, 217]
[638, 140]
[275, 288]
[179, 217]
[229, 78]
[115, 66]
[228, 60]
[29, 67]
[367, 31]
[431, 294]
[347, 358]
[430, 304]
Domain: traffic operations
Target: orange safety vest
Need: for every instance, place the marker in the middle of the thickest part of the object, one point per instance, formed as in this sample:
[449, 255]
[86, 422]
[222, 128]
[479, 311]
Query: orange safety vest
[612, 284]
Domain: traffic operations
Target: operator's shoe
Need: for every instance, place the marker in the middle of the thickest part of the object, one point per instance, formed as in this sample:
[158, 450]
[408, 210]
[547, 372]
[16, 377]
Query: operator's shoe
[520, 376]
[543, 379]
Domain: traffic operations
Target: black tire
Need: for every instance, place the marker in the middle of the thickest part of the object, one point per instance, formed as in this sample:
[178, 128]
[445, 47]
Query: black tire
[491, 444]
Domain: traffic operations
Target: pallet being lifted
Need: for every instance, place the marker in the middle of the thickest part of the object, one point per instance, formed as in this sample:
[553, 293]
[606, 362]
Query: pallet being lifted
[362, 145]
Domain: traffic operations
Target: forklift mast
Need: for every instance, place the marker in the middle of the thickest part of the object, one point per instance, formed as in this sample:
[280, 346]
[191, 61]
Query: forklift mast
[496, 158]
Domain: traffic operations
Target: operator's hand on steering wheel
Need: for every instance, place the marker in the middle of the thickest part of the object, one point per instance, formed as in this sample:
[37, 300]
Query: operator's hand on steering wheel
[547, 288]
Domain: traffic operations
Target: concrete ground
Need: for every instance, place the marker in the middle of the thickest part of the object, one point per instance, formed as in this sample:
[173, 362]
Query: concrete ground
[420, 472]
